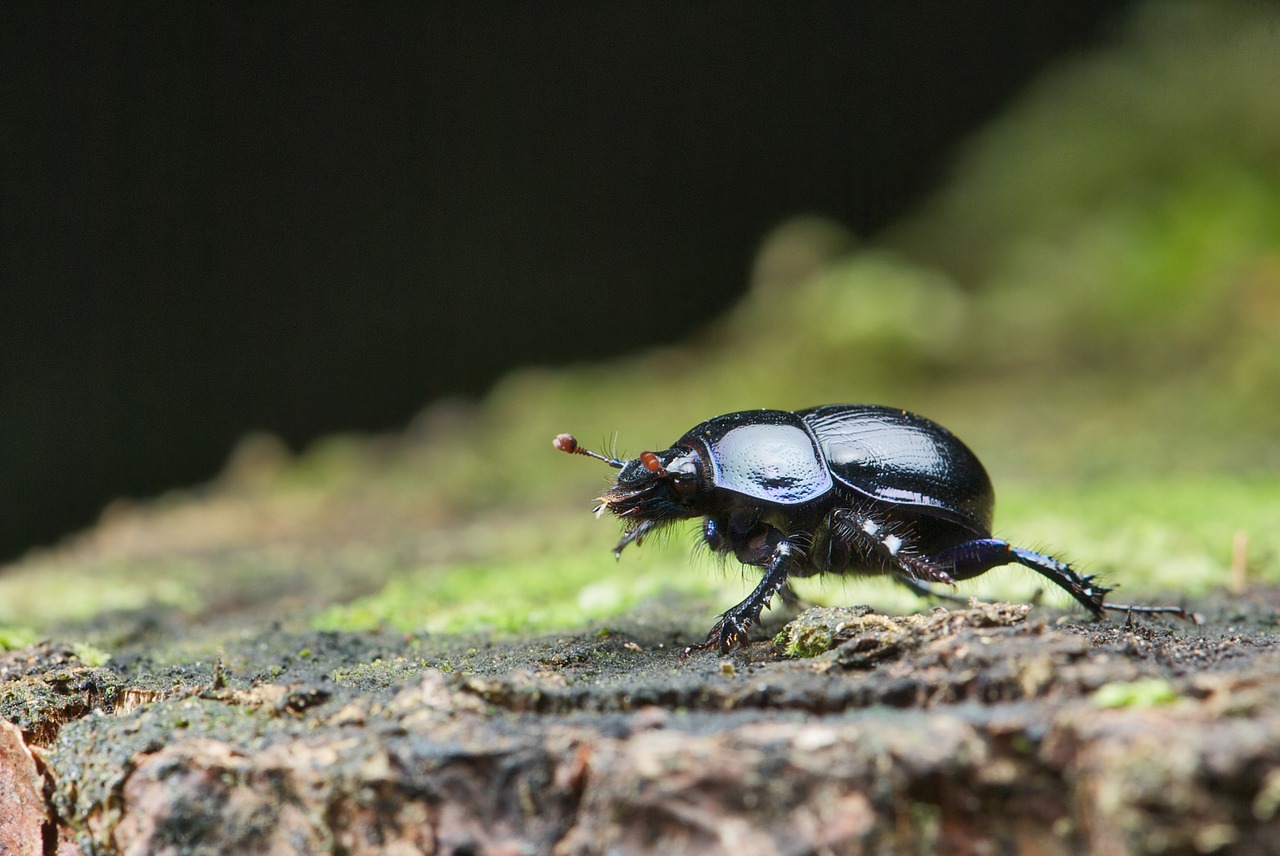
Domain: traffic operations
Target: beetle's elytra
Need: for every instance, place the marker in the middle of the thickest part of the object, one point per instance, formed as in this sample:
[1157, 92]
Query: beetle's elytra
[841, 488]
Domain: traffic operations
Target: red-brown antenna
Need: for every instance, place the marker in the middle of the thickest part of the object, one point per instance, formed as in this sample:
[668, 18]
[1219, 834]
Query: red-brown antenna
[568, 443]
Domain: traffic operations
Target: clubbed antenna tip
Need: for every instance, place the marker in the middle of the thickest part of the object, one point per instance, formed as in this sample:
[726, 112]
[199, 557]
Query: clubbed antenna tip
[568, 443]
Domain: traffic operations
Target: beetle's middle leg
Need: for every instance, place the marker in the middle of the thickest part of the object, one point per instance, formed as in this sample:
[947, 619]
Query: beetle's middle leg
[860, 538]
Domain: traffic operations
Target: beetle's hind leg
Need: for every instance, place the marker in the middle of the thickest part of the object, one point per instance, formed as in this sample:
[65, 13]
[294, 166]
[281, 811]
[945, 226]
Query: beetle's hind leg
[976, 557]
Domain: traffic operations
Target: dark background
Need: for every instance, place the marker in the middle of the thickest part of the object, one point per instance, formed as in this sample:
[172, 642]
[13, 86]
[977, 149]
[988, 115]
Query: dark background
[306, 218]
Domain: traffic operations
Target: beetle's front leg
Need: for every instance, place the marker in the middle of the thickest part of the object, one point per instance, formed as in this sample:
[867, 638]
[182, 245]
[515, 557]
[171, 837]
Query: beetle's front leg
[768, 546]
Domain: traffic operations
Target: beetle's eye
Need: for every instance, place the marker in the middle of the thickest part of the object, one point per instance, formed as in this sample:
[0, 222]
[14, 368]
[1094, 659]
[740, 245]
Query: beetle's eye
[685, 486]
[652, 464]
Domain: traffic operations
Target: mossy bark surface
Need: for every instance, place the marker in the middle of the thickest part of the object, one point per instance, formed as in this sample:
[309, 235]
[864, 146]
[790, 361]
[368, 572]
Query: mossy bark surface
[982, 729]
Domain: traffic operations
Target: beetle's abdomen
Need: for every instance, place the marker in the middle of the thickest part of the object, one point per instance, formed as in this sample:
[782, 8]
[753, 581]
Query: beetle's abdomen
[767, 455]
[898, 457]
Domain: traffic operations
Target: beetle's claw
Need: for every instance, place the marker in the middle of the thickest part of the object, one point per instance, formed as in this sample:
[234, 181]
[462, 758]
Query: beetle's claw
[727, 633]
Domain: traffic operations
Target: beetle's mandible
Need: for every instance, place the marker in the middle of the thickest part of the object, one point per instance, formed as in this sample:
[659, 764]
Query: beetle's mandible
[841, 488]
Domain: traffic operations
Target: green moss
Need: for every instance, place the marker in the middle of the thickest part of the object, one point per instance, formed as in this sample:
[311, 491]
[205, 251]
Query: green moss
[382, 674]
[13, 636]
[1111, 129]
[1148, 692]
[40, 593]
[554, 590]
[817, 631]
[89, 654]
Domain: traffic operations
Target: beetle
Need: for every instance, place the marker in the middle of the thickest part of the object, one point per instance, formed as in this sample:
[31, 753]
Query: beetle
[839, 488]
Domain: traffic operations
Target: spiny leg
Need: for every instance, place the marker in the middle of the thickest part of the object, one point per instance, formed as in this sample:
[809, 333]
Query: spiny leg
[976, 557]
[892, 545]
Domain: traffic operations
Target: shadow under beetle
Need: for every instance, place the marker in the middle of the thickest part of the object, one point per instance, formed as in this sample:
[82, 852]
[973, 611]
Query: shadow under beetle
[842, 488]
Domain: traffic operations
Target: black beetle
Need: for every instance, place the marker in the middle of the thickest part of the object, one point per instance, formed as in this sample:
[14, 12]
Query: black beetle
[841, 488]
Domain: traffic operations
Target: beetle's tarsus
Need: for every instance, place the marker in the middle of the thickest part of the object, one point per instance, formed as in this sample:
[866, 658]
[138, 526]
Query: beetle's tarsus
[1130, 608]
[726, 634]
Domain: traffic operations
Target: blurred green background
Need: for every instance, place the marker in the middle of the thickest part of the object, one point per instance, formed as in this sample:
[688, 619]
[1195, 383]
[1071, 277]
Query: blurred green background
[1092, 301]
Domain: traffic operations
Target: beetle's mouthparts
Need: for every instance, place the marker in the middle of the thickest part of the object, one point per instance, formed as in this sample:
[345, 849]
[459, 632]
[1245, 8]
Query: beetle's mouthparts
[625, 506]
[624, 503]
[621, 501]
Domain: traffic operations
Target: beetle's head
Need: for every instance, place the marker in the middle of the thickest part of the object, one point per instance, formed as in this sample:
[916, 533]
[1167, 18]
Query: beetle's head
[654, 489]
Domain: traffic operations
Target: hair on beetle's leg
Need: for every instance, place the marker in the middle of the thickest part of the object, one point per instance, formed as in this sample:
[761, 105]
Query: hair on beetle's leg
[788, 595]
[890, 545]
[731, 629]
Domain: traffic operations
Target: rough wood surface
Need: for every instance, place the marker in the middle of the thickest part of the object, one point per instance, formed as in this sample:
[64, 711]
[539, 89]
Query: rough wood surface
[987, 729]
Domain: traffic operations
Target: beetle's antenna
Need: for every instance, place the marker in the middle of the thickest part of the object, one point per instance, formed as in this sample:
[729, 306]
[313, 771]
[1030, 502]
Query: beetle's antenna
[567, 443]
[653, 465]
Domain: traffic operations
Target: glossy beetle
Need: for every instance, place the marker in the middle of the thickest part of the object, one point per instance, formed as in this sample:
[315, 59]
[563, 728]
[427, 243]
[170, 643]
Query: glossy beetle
[841, 488]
